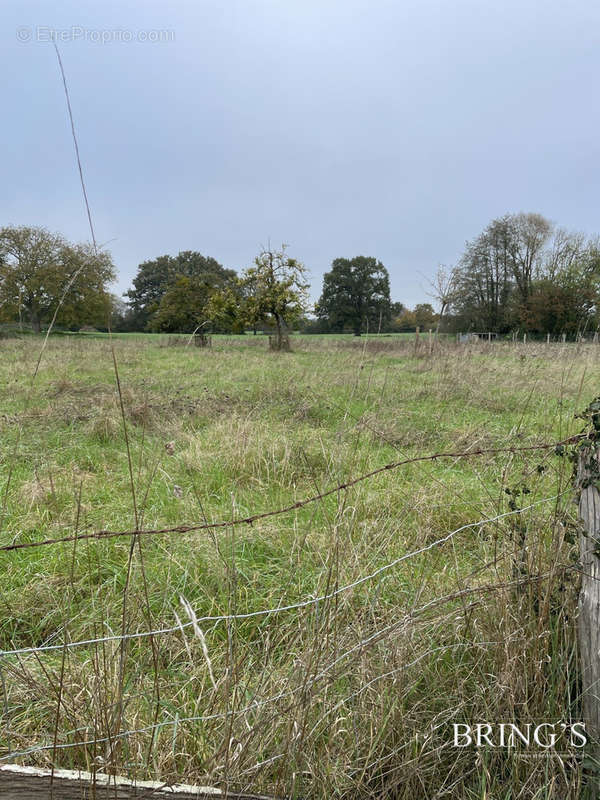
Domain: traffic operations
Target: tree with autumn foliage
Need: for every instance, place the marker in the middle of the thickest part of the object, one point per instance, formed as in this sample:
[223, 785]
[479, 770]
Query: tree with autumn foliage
[275, 289]
[45, 277]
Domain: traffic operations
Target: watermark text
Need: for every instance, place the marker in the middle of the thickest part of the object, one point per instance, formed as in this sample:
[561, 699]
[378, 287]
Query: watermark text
[78, 33]
[506, 734]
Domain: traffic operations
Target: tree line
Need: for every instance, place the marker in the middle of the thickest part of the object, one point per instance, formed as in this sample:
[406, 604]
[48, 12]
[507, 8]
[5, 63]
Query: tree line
[44, 278]
[520, 273]
[180, 293]
[523, 273]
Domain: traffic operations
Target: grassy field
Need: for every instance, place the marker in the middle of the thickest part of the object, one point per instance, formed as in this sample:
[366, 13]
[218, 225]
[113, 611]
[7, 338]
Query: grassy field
[350, 696]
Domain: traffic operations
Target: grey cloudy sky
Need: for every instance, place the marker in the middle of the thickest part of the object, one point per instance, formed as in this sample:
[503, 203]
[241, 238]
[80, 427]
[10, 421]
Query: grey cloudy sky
[343, 127]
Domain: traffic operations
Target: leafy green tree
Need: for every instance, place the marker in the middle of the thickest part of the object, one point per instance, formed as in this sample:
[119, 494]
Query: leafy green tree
[566, 299]
[521, 272]
[276, 291]
[425, 316]
[422, 316]
[396, 309]
[226, 310]
[356, 295]
[155, 277]
[485, 280]
[42, 274]
[183, 305]
[494, 279]
[405, 321]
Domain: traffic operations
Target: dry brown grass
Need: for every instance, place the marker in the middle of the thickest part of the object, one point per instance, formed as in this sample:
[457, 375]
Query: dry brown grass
[350, 697]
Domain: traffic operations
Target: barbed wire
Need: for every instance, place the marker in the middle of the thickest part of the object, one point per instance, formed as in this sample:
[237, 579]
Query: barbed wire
[249, 520]
[279, 609]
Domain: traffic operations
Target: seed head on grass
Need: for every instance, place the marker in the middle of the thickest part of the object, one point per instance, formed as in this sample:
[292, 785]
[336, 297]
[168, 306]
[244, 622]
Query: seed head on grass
[200, 635]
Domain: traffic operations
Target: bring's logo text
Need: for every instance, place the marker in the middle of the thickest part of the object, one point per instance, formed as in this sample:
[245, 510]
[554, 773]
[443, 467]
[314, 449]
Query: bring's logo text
[507, 734]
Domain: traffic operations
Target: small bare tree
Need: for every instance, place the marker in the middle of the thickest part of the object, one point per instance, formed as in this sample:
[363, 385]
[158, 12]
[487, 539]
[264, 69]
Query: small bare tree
[443, 288]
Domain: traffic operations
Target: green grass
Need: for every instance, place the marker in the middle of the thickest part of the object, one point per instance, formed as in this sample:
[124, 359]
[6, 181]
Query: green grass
[253, 431]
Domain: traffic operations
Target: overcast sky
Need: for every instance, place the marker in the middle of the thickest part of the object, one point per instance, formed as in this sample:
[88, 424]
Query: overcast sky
[391, 128]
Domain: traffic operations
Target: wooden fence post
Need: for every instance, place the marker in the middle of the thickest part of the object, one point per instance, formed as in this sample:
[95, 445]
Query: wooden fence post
[588, 622]
[30, 783]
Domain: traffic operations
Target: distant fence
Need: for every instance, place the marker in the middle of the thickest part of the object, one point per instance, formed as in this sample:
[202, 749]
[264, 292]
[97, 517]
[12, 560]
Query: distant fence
[524, 337]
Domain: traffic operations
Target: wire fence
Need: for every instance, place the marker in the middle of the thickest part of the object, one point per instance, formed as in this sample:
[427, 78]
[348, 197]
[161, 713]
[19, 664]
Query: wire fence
[265, 697]
[279, 609]
[306, 696]
[280, 696]
[249, 520]
[78, 734]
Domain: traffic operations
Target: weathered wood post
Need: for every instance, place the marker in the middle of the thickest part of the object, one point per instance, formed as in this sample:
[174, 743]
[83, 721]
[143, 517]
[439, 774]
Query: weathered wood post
[588, 622]
[31, 783]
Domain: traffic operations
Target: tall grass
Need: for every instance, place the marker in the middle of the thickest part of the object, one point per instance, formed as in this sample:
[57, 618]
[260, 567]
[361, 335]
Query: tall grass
[353, 696]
